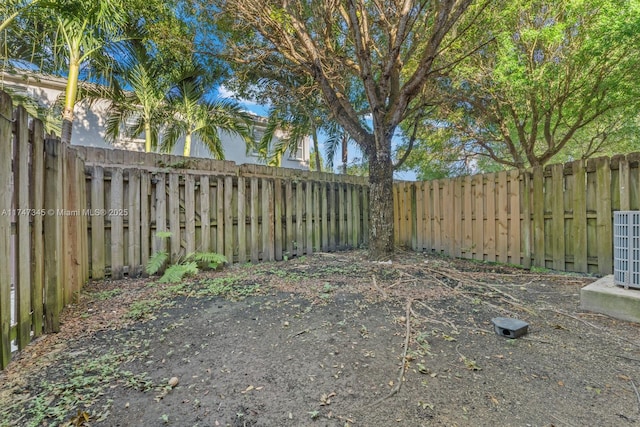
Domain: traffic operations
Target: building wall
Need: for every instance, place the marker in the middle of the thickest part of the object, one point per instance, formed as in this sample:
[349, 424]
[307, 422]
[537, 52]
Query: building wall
[90, 120]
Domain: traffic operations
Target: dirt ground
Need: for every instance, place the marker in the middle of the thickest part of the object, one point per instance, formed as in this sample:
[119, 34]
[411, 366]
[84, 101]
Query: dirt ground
[320, 341]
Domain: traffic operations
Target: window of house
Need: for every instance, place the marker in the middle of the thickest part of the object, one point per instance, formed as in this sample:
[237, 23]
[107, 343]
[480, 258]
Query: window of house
[299, 152]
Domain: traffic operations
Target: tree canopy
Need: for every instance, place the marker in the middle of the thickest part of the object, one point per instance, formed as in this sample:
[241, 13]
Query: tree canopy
[370, 61]
[558, 81]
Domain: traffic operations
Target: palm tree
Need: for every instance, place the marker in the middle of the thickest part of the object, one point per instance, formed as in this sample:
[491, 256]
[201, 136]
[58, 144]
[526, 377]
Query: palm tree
[191, 114]
[284, 131]
[11, 9]
[139, 108]
[85, 29]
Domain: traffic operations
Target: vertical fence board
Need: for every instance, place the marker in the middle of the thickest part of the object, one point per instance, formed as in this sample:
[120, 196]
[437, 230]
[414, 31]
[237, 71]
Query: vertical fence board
[72, 228]
[538, 217]
[557, 217]
[219, 231]
[145, 220]
[357, 218]
[342, 226]
[288, 222]
[604, 218]
[299, 242]
[514, 230]
[267, 220]
[624, 185]
[365, 215]
[324, 218]
[205, 214]
[397, 212]
[502, 228]
[159, 243]
[579, 222]
[133, 223]
[242, 221]
[437, 223]
[428, 213]
[309, 217]
[458, 214]
[277, 219]
[526, 219]
[228, 218]
[98, 261]
[333, 211]
[174, 216]
[467, 232]
[419, 215]
[5, 228]
[478, 229]
[53, 233]
[317, 217]
[84, 221]
[37, 246]
[23, 240]
[349, 216]
[490, 225]
[255, 248]
[115, 218]
[189, 214]
[447, 216]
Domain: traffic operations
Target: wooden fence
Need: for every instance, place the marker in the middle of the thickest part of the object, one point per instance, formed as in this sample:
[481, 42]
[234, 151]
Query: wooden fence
[42, 248]
[71, 213]
[558, 216]
[247, 213]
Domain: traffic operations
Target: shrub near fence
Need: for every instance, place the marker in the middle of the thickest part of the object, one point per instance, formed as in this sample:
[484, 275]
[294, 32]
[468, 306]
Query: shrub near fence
[247, 213]
[42, 247]
[558, 216]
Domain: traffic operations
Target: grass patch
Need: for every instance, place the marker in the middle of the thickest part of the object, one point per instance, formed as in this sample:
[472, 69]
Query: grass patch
[145, 309]
[75, 392]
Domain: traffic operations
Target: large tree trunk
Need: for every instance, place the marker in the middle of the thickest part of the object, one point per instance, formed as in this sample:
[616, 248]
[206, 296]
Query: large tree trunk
[381, 206]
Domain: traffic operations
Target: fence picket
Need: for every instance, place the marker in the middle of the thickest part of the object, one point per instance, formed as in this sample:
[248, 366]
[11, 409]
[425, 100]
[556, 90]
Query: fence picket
[242, 220]
[37, 246]
[255, 248]
[190, 218]
[23, 237]
[6, 195]
[132, 215]
[114, 215]
[604, 222]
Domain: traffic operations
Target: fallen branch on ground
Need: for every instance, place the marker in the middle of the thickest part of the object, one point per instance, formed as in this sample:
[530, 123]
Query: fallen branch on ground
[403, 368]
[375, 285]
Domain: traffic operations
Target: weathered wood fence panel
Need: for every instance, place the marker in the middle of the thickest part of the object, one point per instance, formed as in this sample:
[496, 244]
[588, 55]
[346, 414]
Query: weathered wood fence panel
[247, 212]
[558, 216]
[43, 239]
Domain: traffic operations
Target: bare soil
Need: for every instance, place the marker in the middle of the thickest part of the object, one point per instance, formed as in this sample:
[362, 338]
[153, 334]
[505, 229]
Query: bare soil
[320, 341]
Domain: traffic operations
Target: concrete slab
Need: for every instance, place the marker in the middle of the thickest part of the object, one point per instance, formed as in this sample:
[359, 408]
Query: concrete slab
[605, 297]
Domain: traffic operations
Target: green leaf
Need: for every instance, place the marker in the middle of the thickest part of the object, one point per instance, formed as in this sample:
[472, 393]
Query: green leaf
[156, 262]
[175, 273]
